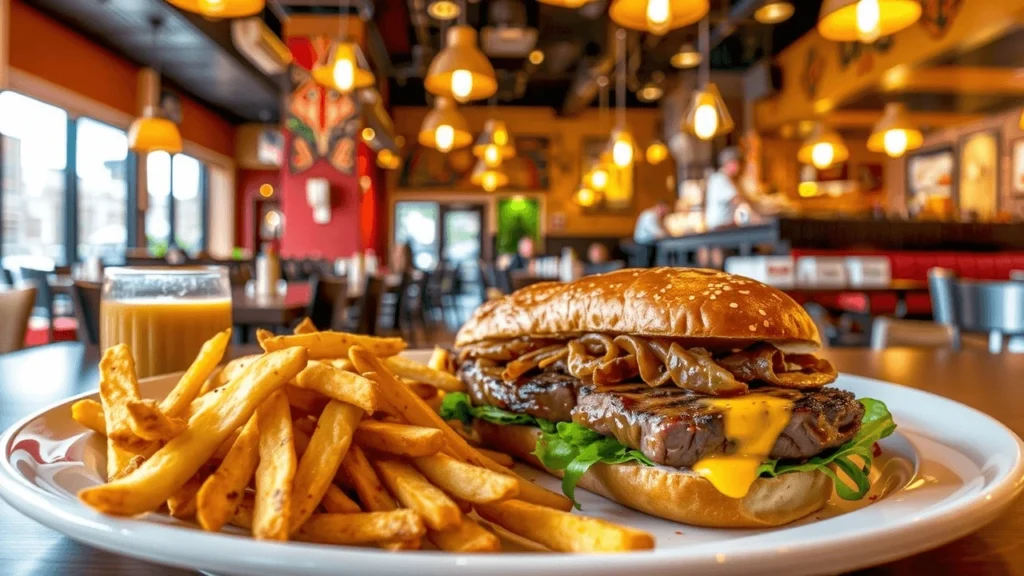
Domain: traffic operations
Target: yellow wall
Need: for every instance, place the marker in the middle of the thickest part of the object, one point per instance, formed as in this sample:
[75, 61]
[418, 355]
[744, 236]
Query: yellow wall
[567, 135]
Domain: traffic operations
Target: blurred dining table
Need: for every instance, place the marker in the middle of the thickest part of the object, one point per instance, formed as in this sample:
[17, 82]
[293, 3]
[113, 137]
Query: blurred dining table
[33, 379]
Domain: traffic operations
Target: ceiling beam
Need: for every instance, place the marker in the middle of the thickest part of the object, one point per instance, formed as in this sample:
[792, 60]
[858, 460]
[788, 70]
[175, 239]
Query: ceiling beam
[853, 119]
[955, 80]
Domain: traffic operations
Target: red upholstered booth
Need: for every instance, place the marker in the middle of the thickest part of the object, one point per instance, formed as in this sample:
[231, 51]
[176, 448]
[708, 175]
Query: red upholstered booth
[907, 265]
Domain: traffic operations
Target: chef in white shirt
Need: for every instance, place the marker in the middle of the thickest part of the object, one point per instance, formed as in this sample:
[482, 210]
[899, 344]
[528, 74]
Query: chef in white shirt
[722, 196]
[649, 227]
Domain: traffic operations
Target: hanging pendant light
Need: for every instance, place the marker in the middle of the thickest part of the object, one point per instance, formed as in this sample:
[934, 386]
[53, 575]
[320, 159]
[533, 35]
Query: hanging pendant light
[708, 116]
[565, 3]
[621, 144]
[490, 178]
[461, 71]
[388, 160]
[656, 153]
[443, 10]
[774, 12]
[657, 16]
[686, 57]
[586, 197]
[495, 144]
[895, 133]
[220, 8]
[865, 20]
[150, 133]
[823, 148]
[344, 69]
[444, 128]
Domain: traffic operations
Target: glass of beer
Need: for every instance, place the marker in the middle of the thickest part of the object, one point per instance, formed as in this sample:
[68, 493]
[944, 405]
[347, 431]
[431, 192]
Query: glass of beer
[164, 314]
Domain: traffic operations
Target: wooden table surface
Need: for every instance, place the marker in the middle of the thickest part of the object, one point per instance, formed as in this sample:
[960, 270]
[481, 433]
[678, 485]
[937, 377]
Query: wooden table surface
[270, 310]
[33, 379]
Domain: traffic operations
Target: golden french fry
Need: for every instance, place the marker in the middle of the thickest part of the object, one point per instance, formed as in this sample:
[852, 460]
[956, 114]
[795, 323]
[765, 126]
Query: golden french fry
[305, 327]
[170, 467]
[467, 536]
[499, 457]
[226, 445]
[416, 411]
[361, 528]
[305, 424]
[440, 360]
[338, 385]
[213, 381]
[399, 439]
[331, 344]
[327, 447]
[120, 461]
[187, 388]
[466, 481]
[276, 472]
[118, 386]
[358, 474]
[229, 372]
[243, 513]
[406, 368]
[563, 531]
[149, 422]
[222, 491]
[414, 491]
[182, 504]
[89, 413]
[337, 502]
[306, 400]
[339, 363]
[425, 391]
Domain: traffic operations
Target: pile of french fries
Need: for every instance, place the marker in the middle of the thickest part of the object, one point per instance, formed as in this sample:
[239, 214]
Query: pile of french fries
[326, 437]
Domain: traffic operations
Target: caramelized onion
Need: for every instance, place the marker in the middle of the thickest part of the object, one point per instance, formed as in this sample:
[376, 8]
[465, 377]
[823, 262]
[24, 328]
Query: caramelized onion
[766, 363]
[650, 364]
[695, 370]
[588, 352]
[527, 362]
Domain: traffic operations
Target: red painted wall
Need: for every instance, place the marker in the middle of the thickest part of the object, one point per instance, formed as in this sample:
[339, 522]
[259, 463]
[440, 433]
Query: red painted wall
[249, 182]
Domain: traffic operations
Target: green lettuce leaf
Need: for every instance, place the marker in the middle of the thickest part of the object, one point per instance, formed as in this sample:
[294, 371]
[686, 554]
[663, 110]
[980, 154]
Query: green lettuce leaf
[877, 424]
[456, 406]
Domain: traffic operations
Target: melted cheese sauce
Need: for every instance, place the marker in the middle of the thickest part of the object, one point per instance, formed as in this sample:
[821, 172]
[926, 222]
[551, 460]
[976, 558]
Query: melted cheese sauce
[753, 423]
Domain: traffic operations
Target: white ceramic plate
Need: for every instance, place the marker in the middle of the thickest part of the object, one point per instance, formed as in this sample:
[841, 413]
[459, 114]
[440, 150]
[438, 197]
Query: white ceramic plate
[947, 471]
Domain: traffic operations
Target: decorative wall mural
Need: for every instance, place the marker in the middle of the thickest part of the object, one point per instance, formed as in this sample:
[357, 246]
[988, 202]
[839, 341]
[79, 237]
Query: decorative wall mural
[814, 69]
[427, 169]
[938, 15]
[863, 55]
[323, 123]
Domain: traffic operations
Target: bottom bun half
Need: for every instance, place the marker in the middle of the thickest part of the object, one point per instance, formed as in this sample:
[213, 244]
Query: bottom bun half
[680, 495]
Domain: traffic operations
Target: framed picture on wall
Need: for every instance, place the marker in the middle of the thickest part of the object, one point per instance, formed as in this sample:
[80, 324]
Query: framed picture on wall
[931, 181]
[978, 189]
[1017, 167]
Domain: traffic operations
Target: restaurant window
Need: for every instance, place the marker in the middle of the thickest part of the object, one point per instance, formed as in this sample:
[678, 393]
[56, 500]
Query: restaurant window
[34, 184]
[416, 224]
[184, 211]
[102, 167]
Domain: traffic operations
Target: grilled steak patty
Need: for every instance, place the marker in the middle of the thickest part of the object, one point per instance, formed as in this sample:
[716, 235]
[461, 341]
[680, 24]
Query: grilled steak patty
[669, 425]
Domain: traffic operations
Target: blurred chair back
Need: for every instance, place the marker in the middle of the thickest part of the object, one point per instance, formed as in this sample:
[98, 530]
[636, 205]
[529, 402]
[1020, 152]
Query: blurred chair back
[392, 304]
[941, 287]
[326, 293]
[240, 272]
[601, 268]
[15, 309]
[44, 296]
[892, 332]
[368, 307]
[6, 278]
[86, 298]
[993, 307]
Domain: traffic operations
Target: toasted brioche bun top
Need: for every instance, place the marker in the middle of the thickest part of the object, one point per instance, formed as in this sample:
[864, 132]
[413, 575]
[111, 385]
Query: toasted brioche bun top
[708, 307]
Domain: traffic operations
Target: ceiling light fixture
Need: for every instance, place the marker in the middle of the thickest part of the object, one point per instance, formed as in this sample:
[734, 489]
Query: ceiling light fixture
[495, 144]
[657, 16]
[565, 3]
[650, 92]
[656, 153]
[708, 116]
[621, 144]
[444, 128]
[823, 148]
[150, 132]
[220, 8]
[686, 57]
[490, 178]
[537, 57]
[461, 70]
[895, 133]
[388, 160]
[865, 20]
[586, 197]
[346, 68]
[368, 134]
[774, 12]
[443, 10]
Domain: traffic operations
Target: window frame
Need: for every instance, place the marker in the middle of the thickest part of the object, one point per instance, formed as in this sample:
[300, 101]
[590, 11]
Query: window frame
[172, 211]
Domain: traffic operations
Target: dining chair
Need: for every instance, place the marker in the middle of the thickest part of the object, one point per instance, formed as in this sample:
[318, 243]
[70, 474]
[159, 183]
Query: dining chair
[995, 308]
[15, 309]
[86, 299]
[44, 304]
[941, 288]
[601, 268]
[362, 317]
[327, 295]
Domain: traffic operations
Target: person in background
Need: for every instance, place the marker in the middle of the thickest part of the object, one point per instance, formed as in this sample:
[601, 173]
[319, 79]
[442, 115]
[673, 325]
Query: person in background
[649, 226]
[597, 253]
[722, 197]
[525, 252]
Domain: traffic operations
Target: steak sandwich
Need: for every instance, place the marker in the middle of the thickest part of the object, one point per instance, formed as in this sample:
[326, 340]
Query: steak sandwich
[688, 394]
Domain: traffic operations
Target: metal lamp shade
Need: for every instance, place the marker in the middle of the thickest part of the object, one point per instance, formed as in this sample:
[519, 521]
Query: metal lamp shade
[461, 53]
[632, 14]
[150, 134]
[323, 73]
[709, 96]
[444, 112]
[894, 118]
[686, 57]
[837, 20]
[487, 177]
[822, 135]
[220, 8]
[495, 134]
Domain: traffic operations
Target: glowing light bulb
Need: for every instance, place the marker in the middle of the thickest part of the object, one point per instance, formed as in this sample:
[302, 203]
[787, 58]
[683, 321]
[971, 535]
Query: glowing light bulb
[659, 16]
[368, 134]
[490, 181]
[622, 152]
[895, 143]
[211, 6]
[344, 74]
[500, 137]
[585, 197]
[869, 16]
[656, 152]
[705, 121]
[822, 155]
[444, 137]
[599, 179]
[462, 84]
[492, 156]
